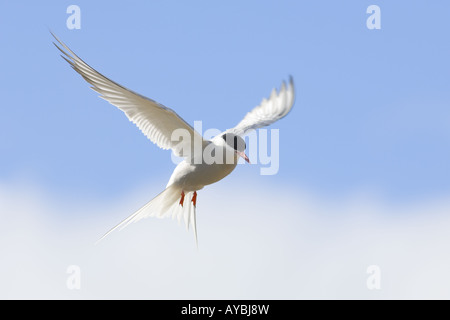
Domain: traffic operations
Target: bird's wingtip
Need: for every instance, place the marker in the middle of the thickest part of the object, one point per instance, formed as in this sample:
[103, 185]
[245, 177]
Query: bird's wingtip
[291, 80]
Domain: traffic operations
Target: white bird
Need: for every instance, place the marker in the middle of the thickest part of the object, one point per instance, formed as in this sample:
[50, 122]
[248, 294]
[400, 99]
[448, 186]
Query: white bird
[159, 123]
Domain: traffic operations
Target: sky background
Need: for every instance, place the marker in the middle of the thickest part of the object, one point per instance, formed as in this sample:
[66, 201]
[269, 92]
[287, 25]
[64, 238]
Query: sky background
[363, 176]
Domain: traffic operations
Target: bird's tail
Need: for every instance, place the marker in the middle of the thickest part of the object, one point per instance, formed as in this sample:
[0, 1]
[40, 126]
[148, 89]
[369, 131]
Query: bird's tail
[164, 205]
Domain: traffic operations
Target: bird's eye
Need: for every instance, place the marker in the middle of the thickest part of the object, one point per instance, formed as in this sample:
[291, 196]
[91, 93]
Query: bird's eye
[237, 143]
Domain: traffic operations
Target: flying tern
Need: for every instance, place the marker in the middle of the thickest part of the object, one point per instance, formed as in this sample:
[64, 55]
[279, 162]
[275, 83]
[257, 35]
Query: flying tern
[159, 123]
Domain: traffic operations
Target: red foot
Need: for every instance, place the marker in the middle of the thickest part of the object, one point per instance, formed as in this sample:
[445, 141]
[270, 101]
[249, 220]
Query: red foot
[194, 199]
[182, 198]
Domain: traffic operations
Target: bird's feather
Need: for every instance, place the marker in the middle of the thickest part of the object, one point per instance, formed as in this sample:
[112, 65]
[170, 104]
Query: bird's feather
[270, 110]
[164, 205]
[156, 121]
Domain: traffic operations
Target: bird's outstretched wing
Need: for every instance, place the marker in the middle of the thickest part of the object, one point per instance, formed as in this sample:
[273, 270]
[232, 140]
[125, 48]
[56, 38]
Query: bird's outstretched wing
[270, 110]
[156, 121]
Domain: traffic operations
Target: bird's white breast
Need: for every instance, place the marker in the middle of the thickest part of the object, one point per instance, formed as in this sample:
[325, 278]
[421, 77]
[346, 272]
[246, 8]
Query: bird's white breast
[192, 177]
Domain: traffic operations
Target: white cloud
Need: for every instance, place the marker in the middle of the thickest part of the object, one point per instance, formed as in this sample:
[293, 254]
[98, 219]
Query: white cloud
[267, 243]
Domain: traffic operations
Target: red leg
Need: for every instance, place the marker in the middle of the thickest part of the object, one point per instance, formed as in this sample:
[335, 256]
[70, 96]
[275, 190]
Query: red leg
[194, 199]
[182, 198]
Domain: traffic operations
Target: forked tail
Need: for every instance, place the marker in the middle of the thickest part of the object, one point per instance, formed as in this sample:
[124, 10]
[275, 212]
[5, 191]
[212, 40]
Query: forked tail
[164, 205]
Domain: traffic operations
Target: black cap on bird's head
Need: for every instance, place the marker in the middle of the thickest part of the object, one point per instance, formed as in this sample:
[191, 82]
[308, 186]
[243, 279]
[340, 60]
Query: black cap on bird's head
[237, 143]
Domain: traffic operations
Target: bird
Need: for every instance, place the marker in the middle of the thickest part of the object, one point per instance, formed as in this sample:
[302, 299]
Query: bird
[204, 161]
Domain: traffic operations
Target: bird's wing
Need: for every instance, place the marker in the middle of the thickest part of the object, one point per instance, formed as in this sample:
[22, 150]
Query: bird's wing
[156, 121]
[270, 110]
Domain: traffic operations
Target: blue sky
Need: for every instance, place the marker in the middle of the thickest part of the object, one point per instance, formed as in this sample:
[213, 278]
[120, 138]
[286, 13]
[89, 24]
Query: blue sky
[371, 109]
[364, 154]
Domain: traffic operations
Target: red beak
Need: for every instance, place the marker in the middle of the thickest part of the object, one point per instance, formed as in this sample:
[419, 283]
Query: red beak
[243, 156]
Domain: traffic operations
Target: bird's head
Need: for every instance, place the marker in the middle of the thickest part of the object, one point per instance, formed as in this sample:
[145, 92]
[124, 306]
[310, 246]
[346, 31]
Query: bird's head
[237, 143]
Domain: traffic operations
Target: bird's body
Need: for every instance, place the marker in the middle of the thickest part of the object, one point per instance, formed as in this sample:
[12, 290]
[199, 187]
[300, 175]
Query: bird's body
[204, 168]
[193, 177]
[205, 161]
